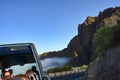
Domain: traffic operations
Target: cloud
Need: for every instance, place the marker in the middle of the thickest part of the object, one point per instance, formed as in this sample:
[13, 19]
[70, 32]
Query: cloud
[54, 62]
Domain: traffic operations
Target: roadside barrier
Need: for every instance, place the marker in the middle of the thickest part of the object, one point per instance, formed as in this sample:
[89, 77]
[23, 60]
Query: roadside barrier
[75, 70]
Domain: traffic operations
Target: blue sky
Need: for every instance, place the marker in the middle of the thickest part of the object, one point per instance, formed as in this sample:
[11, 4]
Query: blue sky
[49, 24]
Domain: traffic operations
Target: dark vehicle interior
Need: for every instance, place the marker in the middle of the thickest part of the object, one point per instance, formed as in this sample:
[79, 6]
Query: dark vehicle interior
[15, 57]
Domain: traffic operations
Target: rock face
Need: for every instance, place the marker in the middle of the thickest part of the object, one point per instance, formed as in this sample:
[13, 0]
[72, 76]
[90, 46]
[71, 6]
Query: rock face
[106, 66]
[80, 47]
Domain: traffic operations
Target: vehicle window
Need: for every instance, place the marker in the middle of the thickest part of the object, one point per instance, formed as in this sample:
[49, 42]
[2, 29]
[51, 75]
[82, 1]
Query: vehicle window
[21, 69]
[18, 60]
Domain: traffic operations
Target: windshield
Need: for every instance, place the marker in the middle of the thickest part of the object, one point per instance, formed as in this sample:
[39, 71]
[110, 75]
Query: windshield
[18, 70]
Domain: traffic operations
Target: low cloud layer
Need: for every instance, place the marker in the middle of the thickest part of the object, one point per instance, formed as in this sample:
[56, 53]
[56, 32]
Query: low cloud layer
[54, 62]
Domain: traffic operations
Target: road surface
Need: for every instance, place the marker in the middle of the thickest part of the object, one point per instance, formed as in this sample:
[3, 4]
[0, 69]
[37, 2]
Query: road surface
[74, 76]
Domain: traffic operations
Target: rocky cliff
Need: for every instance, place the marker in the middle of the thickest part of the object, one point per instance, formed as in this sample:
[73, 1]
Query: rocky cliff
[106, 66]
[80, 47]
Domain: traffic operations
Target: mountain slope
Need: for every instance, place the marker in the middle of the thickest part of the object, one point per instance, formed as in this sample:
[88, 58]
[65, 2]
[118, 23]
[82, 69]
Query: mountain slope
[80, 48]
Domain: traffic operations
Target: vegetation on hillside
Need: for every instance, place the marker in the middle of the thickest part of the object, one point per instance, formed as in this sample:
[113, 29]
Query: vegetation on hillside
[84, 67]
[105, 38]
[59, 69]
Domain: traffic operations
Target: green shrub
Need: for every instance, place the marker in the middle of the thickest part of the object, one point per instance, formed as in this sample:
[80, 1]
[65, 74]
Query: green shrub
[59, 69]
[95, 53]
[67, 68]
[102, 39]
[117, 33]
[103, 36]
[84, 66]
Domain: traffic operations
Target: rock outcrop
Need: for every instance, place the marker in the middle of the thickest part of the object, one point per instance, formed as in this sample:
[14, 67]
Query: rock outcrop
[106, 66]
[80, 47]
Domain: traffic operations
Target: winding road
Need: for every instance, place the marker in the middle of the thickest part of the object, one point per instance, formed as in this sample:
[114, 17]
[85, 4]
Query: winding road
[75, 76]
